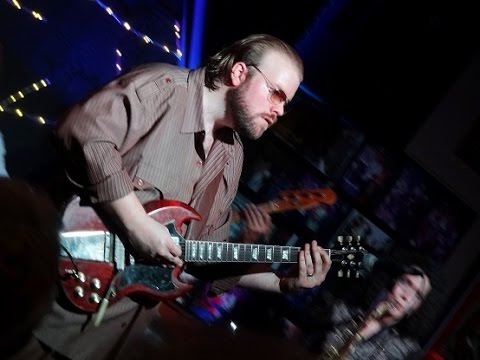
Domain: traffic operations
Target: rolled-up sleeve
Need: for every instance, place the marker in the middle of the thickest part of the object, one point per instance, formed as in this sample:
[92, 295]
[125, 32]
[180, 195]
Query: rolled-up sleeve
[95, 135]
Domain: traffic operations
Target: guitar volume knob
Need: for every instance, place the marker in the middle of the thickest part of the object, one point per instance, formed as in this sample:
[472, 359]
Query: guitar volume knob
[95, 298]
[79, 292]
[96, 284]
[81, 277]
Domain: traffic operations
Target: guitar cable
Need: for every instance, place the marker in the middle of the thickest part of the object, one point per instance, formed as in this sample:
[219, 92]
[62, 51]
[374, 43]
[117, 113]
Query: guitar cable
[75, 267]
[102, 308]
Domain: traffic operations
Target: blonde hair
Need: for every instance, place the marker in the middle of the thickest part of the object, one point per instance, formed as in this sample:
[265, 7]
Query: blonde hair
[249, 50]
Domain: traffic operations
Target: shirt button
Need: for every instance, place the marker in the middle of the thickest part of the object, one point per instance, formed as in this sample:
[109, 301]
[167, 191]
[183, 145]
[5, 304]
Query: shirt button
[140, 182]
[199, 162]
[168, 80]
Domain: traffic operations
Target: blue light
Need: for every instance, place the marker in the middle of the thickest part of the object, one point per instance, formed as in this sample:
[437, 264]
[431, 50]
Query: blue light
[196, 40]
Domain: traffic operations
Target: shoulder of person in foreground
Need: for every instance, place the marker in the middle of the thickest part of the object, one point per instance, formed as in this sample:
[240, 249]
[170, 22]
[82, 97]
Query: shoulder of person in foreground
[29, 250]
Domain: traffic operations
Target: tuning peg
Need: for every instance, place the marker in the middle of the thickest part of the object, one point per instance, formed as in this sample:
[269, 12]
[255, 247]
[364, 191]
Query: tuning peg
[340, 273]
[357, 274]
[349, 239]
[348, 273]
[358, 239]
[340, 239]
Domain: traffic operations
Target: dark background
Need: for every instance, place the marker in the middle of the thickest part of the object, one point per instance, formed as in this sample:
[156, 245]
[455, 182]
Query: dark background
[386, 63]
[379, 67]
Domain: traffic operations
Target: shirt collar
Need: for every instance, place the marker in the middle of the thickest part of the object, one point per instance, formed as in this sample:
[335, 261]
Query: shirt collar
[194, 110]
[193, 121]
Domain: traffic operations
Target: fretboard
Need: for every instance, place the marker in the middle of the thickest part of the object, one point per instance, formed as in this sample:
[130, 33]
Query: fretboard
[215, 252]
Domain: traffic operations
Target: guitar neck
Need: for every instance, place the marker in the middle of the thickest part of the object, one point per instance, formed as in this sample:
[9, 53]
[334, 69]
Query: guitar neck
[220, 252]
[271, 207]
[213, 252]
[295, 200]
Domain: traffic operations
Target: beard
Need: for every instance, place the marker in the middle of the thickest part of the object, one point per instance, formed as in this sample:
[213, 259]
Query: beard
[243, 123]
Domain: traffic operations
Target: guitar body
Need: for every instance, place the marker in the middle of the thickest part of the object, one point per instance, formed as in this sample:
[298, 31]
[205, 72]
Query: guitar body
[86, 282]
[147, 283]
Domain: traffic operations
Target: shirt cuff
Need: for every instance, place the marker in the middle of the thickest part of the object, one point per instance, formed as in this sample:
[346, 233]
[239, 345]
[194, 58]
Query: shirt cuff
[115, 187]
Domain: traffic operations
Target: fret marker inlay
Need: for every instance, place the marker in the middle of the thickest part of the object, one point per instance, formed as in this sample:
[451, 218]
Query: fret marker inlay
[269, 253]
[194, 251]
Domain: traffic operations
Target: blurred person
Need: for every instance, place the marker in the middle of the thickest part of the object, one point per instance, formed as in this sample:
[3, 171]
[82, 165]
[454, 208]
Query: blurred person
[377, 327]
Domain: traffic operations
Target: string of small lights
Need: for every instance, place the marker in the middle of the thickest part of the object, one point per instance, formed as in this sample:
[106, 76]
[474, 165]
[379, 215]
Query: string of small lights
[35, 14]
[118, 63]
[6, 104]
[19, 95]
[21, 114]
[147, 39]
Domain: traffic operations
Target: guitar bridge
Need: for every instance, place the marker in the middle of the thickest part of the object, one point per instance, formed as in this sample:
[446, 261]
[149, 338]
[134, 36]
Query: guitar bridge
[95, 245]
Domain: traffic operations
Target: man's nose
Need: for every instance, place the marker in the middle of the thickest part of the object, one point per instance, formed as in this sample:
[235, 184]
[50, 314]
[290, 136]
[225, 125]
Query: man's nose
[279, 110]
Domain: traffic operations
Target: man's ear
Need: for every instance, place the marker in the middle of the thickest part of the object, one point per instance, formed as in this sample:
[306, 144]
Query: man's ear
[238, 73]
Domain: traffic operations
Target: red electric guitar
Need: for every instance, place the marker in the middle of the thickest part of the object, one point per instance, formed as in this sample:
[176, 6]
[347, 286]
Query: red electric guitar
[95, 268]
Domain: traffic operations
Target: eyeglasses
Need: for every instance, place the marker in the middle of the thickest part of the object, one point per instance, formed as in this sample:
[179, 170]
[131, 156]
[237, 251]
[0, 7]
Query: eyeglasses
[276, 96]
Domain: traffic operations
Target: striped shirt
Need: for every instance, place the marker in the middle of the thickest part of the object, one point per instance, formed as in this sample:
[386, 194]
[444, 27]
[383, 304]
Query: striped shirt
[139, 132]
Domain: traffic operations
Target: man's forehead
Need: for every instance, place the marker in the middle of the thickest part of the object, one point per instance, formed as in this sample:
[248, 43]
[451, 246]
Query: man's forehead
[281, 70]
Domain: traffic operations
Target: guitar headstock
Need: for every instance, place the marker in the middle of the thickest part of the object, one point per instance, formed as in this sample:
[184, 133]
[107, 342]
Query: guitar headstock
[305, 198]
[296, 200]
[349, 256]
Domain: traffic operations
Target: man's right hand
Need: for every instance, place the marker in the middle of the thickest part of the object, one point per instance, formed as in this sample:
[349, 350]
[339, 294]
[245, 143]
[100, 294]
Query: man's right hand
[153, 239]
[146, 235]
